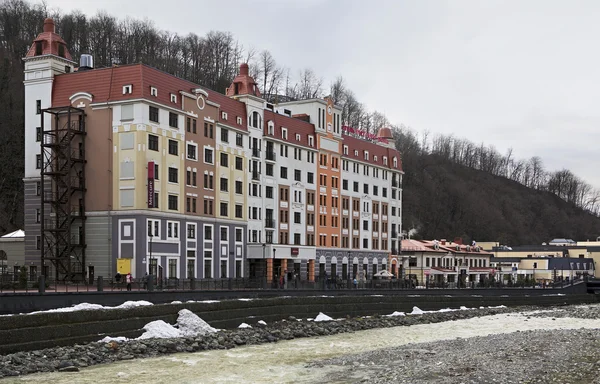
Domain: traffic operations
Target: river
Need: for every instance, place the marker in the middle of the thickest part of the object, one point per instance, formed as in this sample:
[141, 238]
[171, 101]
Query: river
[285, 361]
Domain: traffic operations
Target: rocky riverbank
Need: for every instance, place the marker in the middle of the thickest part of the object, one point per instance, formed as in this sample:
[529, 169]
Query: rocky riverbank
[76, 357]
[557, 356]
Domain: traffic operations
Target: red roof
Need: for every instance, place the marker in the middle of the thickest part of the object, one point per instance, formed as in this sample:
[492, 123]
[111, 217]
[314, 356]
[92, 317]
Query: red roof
[106, 84]
[50, 42]
[375, 151]
[293, 126]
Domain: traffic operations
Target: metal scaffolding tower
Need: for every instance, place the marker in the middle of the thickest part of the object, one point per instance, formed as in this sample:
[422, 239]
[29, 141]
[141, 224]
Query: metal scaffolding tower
[63, 193]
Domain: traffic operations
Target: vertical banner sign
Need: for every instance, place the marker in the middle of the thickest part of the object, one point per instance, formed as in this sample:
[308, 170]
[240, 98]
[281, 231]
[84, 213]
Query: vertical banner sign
[151, 184]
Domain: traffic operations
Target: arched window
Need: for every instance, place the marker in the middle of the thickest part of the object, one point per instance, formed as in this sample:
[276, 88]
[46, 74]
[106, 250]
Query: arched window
[255, 120]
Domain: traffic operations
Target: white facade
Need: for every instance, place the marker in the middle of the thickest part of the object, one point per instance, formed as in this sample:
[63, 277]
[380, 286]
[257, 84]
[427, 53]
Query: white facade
[39, 76]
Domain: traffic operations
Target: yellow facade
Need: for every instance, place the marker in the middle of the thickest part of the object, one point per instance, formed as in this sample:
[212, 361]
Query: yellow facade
[233, 175]
[130, 143]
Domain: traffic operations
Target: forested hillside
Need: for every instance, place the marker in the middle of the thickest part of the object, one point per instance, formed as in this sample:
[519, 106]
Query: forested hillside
[452, 187]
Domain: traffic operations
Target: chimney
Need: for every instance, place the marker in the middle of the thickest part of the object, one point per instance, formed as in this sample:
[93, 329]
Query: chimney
[86, 62]
[49, 25]
[443, 241]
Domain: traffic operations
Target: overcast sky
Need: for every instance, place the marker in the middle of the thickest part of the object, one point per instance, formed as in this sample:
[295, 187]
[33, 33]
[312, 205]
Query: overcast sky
[521, 74]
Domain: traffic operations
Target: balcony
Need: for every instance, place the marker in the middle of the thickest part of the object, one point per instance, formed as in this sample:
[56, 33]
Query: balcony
[270, 156]
[394, 183]
[269, 223]
[255, 152]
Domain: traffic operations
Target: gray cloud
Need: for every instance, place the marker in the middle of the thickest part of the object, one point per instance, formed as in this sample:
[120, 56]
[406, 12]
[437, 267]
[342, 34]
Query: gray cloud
[520, 74]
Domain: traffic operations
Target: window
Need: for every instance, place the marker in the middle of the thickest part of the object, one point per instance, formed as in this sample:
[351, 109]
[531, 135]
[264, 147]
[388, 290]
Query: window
[153, 228]
[208, 181]
[172, 268]
[239, 140]
[153, 114]
[127, 89]
[297, 175]
[173, 119]
[38, 134]
[172, 230]
[310, 177]
[153, 142]
[173, 175]
[283, 172]
[156, 174]
[153, 92]
[208, 233]
[191, 151]
[38, 107]
[297, 219]
[311, 141]
[208, 130]
[269, 192]
[239, 163]
[208, 155]
[38, 161]
[224, 184]
[239, 187]
[194, 124]
[269, 169]
[38, 215]
[224, 135]
[224, 209]
[224, 233]
[38, 188]
[224, 160]
[238, 211]
[173, 202]
[366, 188]
[173, 147]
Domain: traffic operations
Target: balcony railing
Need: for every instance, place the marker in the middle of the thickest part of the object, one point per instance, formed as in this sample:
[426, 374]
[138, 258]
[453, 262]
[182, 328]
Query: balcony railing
[255, 175]
[255, 152]
[269, 223]
[271, 156]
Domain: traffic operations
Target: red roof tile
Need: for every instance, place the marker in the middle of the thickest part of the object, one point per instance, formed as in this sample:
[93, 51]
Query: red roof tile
[106, 84]
[50, 42]
[294, 126]
[355, 144]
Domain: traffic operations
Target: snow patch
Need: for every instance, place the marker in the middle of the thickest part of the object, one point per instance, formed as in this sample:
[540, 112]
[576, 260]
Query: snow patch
[245, 299]
[159, 329]
[119, 339]
[396, 313]
[176, 302]
[262, 322]
[323, 317]
[244, 325]
[208, 301]
[190, 325]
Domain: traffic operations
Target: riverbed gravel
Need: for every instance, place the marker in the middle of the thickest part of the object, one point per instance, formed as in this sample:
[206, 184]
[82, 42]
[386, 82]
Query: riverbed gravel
[468, 360]
[541, 356]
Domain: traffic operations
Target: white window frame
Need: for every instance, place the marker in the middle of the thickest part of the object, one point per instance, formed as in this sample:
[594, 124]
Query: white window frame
[366, 155]
[212, 229]
[297, 137]
[197, 154]
[127, 89]
[153, 227]
[212, 263]
[188, 224]
[173, 226]
[173, 98]
[345, 149]
[177, 270]
[239, 120]
[284, 133]
[270, 128]
[311, 141]
[213, 154]
[195, 258]
[153, 91]
[224, 115]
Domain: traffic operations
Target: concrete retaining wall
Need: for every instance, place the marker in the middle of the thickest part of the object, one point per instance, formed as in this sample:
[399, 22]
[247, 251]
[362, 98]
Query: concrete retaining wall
[44, 330]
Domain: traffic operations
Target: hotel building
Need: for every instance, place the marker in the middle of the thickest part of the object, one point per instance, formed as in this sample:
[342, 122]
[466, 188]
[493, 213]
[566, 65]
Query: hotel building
[131, 169]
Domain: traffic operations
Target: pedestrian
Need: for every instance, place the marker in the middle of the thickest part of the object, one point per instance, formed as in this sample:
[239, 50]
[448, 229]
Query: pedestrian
[355, 283]
[129, 280]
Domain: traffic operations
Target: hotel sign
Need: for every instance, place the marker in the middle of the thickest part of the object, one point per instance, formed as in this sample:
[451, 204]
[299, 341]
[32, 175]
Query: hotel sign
[363, 134]
[151, 202]
[295, 251]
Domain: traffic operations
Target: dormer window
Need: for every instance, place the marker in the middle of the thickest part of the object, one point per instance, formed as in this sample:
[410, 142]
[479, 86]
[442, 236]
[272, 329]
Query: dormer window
[355, 152]
[375, 158]
[284, 133]
[366, 155]
[224, 116]
[345, 149]
[255, 120]
[239, 120]
[173, 98]
[311, 141]
[297, 137]
[153, 91]
[127, 89]
[270, 128]
[61, 50]
[395, 161]
[38, 48]
[385, 160]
